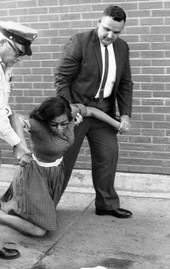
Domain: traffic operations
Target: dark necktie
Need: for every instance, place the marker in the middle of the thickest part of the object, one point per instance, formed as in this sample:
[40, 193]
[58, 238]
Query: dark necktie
[105, 74]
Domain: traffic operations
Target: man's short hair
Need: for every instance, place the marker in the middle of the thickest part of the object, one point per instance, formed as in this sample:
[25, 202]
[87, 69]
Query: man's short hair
[117, 13]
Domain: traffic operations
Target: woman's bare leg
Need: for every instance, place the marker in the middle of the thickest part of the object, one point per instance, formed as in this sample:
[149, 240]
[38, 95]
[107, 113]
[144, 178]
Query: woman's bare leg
[21, 225]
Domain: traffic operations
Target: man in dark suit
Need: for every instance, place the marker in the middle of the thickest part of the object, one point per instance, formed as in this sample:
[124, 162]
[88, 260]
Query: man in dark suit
[80, 78]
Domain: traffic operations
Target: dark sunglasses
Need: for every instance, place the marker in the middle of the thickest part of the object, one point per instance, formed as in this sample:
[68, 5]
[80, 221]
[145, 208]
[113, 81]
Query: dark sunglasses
[56, 124]
[18, 52]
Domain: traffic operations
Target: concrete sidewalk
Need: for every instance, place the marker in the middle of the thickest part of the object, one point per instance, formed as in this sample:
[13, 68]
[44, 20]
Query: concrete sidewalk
[86, 240]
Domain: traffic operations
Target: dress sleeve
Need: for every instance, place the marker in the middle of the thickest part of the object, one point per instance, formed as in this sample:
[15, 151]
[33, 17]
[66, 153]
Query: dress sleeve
[78, 108]
[37, 129]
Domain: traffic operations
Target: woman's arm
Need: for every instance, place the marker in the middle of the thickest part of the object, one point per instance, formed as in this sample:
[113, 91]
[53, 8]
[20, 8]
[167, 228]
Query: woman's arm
[16, 125]
[87, 111]
[97, 113]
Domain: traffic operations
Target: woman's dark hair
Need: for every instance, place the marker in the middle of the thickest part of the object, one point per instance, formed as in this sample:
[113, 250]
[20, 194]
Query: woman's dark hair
[117, 13]
[51, 108]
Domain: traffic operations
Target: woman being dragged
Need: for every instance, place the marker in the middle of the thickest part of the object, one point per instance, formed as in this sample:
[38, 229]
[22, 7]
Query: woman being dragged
[29, 204]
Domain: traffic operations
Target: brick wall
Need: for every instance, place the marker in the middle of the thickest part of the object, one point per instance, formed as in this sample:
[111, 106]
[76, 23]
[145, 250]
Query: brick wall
[146, 147]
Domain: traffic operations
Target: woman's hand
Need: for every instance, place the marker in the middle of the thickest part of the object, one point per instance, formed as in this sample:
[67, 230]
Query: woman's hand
[124, 124]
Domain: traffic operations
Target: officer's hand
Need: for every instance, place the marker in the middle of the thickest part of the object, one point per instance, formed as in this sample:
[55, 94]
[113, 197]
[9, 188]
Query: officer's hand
[25, 159]
[22, 154]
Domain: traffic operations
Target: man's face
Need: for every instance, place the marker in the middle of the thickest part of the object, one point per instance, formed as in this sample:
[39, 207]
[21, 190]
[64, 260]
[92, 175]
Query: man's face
[10, 54]
[109, 30]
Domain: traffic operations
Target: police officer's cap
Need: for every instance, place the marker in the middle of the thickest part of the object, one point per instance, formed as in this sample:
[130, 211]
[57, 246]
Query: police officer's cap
[19, 33]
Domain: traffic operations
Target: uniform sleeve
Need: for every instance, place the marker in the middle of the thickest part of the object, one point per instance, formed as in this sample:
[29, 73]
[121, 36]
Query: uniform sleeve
[78, 108]
[7, 133]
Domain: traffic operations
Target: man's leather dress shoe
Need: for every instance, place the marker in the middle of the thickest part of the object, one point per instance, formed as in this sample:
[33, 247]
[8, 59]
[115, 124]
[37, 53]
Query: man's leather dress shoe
[118, 213]
[9, 253]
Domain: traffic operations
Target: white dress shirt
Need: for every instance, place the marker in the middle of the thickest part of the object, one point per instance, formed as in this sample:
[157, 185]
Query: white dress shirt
[111, 72]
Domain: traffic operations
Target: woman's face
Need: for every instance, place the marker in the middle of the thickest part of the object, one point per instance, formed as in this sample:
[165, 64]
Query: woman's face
[58, 124]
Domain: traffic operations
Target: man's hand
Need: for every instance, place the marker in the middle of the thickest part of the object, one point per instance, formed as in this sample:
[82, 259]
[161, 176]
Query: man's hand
[22, 154]
[124, 124]
[78, 119]
[25, 159]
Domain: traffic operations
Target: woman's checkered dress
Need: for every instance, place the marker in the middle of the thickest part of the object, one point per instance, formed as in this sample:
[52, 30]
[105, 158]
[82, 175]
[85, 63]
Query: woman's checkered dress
[36, 190]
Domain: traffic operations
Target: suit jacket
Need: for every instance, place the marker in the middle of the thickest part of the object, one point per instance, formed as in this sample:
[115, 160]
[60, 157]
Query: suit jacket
[79, 72]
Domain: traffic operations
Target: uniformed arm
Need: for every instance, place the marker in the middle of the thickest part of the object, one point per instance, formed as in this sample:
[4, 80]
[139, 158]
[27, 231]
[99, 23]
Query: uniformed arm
[7, 133]
[21, 151]
[16, 125]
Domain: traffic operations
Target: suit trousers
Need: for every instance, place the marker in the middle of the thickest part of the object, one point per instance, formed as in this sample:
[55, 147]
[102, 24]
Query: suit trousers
[102, 139]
